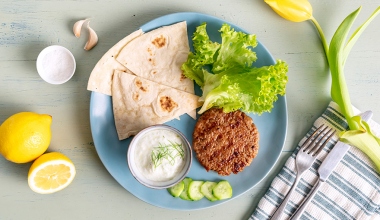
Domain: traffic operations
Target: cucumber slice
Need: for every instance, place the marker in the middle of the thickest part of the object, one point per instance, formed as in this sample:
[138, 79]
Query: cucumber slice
[184, 195]
[222, 190]
[177, 189]
[195, 190]
[206, 190]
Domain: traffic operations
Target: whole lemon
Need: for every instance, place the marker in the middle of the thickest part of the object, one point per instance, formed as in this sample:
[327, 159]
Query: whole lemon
[25, 136]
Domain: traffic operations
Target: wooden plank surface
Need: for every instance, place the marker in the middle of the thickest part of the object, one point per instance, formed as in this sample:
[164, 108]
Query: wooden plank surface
[26, 27]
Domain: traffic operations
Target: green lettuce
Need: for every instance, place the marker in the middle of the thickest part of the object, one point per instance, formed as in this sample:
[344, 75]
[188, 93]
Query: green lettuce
[234, 50]
[226, 75]
[245, 88]
[205, 54]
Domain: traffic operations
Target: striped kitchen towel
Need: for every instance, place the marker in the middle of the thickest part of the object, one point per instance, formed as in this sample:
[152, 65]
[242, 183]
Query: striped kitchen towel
[351, 192]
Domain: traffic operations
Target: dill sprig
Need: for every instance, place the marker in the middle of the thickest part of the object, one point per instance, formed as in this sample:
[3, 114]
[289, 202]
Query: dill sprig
[167, 152]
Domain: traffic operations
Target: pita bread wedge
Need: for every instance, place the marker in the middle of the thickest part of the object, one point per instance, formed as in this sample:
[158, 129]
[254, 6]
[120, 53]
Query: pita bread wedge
[158, 55]
[101, 76]
[139, 103]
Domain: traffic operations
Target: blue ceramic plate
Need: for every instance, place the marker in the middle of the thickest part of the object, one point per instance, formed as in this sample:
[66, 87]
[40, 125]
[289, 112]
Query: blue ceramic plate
[113, 153]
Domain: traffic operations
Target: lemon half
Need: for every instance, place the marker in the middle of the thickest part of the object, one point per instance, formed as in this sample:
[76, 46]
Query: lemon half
[50, 173]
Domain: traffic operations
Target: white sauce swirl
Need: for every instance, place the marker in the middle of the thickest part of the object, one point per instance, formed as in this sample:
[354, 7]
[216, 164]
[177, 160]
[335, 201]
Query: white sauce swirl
[167, 169]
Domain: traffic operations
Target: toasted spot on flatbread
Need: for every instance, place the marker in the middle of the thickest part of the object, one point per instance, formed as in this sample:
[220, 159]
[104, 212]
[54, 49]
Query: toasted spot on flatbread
[150, 51]
[167, 104]
[139, 85]
[152, 61]
[136, 96]
[159, 42]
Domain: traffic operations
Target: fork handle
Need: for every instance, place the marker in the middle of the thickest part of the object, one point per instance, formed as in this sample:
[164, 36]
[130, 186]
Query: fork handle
[280, 210]
[297, 214]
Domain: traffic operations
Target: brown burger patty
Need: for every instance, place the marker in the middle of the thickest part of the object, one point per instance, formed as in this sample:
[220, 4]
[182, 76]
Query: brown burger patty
[225, 142]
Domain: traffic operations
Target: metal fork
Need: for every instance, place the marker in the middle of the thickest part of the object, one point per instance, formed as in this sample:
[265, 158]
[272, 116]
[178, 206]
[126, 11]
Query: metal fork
[305, 158]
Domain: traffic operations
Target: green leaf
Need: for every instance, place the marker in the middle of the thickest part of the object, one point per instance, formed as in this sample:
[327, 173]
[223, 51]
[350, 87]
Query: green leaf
[337, 56]
[339, 90]
[360, 134]
[225, 95]
[235, 50]
[204, 48]
[365, 140]
[204, 53]
[232, 91]
[354, 37]
[233, 84]
[192, 71]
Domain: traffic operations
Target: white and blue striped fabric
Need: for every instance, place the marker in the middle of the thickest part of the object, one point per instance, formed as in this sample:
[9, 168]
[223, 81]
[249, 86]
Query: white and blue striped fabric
[351, 192]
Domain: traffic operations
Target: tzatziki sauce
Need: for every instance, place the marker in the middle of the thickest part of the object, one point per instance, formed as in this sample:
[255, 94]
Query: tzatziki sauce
[160, 155]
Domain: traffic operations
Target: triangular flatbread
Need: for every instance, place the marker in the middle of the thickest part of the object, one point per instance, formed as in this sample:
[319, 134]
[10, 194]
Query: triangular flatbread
[101, 76]
[139, 103]
[158, 55]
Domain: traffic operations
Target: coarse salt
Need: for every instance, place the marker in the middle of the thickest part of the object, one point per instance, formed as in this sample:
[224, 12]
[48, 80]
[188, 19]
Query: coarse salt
[56, 64]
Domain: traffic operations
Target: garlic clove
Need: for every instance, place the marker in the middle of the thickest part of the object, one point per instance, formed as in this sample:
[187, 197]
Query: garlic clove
[92, 38]
[78, 27]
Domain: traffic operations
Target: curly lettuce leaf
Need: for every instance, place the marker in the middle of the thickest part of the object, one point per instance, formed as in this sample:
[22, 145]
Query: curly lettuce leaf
[226, 94]
[204, 47]
[191, 71]
[235, 50]
[248, 89]
[233, 83]
[205, 53]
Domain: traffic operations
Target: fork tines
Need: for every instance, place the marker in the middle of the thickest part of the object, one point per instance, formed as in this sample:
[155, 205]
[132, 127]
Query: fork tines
[318, 140]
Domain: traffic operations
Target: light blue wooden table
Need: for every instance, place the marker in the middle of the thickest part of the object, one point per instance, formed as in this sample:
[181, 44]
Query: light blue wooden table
[26, 27]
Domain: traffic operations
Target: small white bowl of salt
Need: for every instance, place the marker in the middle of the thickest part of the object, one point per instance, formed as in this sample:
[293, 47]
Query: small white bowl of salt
[56, 64]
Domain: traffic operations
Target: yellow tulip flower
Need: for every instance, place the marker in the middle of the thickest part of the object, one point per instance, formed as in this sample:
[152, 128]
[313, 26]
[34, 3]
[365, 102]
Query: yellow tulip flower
[292, 10]
[297, 11]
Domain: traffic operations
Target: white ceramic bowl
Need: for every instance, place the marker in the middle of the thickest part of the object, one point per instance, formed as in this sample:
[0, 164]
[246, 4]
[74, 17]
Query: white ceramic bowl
[56, 64]
[136, 156]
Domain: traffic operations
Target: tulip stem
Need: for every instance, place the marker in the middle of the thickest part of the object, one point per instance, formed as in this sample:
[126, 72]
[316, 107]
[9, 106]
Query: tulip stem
[321, 35]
